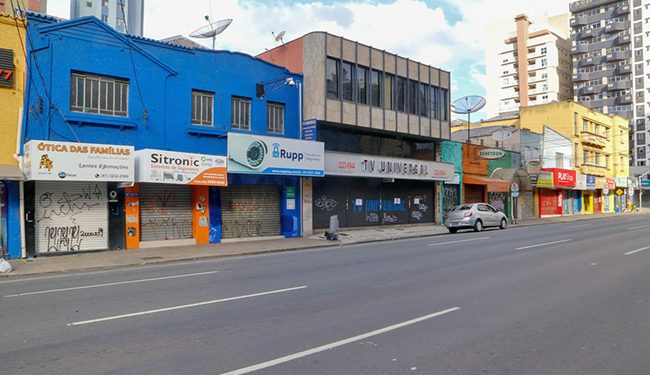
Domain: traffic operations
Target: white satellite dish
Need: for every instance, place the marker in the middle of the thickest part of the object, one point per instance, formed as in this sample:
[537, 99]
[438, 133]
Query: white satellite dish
[278, 38]
[212, 29]
[502, 135]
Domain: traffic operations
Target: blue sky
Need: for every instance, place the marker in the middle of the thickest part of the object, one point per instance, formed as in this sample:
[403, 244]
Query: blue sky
[443, 33]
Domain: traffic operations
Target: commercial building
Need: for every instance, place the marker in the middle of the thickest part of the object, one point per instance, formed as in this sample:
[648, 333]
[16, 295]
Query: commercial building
[528, 62]
[583, 157]
[382, 118]
[12, 89]
[141, 143]
[125, 16]
[609, 57]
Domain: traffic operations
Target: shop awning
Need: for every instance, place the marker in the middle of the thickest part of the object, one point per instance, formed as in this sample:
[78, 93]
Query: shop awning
[493, 184]
[518, 175]
[11, 172]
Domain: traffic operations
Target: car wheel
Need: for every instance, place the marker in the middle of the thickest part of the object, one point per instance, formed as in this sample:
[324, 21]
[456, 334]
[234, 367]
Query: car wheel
[478, 226]
[504, 224]
[453, 230]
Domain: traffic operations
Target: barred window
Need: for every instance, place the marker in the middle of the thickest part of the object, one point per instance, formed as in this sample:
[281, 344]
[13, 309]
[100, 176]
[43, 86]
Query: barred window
[202, 108]
[241, 113]
[102, 95]
[275, 118]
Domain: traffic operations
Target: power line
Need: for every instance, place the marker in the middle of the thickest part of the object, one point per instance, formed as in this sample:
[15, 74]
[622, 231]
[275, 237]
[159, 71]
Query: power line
[135, 73]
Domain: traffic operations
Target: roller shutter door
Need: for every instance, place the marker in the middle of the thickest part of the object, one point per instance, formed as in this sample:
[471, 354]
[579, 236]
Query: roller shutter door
[70, 216]
[250, 211]
[165, 212]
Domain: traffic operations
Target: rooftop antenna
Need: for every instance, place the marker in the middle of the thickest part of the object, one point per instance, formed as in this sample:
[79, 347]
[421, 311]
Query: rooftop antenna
[212, 29]
[468, 105]
[278, 38]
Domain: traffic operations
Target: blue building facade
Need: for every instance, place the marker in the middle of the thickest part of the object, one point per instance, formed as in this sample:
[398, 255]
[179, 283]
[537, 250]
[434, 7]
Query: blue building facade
[90, 85]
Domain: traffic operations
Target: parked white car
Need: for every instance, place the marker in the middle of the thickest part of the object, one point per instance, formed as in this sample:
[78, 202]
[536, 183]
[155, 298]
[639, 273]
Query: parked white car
[476, 216]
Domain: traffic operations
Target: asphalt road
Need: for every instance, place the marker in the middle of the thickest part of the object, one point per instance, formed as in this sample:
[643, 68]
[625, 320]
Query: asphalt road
[567, 298]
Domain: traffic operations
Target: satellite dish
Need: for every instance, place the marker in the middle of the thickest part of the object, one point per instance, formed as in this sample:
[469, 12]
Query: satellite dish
[278, 38]
[502, 135]
[468, 104]
[212, 29]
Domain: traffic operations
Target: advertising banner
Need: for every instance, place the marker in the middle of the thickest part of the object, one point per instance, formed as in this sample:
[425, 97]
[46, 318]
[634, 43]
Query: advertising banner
[621, 181]
[601, 183]
[180, 168]
[564, 178]
[581, 182]
[274, 155]
[591, 182]
[69, 161]
[360, 165]
[545, 180]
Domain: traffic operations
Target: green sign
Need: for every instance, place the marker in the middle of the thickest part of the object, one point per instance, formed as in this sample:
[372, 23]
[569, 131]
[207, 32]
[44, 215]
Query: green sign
[291, 192]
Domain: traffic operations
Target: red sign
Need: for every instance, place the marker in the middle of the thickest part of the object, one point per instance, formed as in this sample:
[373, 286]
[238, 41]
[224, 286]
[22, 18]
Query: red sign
[563, 177]
[611, 184]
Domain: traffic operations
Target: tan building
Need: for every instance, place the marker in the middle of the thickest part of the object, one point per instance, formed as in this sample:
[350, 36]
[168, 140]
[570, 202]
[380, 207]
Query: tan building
[376, 112]
[528, 62]
[33, 5]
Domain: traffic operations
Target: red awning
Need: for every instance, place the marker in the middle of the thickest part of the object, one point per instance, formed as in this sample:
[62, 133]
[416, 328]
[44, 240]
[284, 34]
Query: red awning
[493, 184]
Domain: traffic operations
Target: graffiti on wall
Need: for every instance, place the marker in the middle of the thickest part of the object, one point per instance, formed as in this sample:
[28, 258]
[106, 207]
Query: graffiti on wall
[451, 197]
[497, 200]
[67, 220]
[166, 219]
[326, 203]
[242, 228]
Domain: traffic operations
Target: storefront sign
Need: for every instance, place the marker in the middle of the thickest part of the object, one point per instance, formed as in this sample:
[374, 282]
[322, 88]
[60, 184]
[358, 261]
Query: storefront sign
[180, 168]
[633, 182]
[346, 164]
[7, 68]
[621, 181]
[611, 183]
[645, 183]
[545, 180]
[601, 183]
[309, 130]
[563, 178]
[491, 153]
[68, 161]
[274, 155]
[581, 182]
[591, 182]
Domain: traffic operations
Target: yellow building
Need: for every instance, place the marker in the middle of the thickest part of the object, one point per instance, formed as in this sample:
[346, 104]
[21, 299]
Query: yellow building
[600, 148]
[12, 87]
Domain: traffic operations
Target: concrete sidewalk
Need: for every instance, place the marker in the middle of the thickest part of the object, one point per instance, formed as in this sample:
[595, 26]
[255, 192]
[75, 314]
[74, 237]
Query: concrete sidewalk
[105, 259]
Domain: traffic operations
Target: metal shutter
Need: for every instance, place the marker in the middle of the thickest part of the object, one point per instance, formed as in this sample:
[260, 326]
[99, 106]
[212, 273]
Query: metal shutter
[71, 216]
[165, 212]
[250, 211]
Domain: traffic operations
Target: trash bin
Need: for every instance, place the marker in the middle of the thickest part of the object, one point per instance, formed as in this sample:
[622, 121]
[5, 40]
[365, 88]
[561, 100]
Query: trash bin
[333, 233]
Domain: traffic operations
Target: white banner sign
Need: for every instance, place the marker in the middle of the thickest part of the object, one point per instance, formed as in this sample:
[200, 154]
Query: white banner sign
[346, 164]
[69, 161]
[180, 168]
[274, 155]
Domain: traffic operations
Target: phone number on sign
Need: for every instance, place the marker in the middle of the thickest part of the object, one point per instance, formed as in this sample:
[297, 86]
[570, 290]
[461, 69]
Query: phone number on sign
[113, 175]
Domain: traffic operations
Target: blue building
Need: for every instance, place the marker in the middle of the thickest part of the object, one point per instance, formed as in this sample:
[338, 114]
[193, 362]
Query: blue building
[106, 109]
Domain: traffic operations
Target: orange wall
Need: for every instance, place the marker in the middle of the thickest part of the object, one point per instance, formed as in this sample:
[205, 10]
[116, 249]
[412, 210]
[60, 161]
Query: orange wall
[288, 55]
[472, 164]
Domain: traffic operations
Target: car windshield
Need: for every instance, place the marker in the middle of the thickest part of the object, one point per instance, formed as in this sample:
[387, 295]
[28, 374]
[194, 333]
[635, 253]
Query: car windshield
[464, 207]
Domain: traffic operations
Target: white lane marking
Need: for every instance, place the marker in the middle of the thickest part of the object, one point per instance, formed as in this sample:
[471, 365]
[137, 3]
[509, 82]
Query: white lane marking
[639, 227]
[333, 345]
[459, 241]
[637, 250]
[165, 309]
[111, 284]
[542, 244]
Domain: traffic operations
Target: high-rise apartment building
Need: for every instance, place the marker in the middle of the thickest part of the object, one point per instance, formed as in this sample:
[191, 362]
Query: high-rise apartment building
[120, 14]
[608, 72]
[39, 6]
[528, 62]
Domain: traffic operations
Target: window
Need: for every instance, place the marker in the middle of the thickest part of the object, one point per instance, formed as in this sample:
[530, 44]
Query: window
[375, 88]
[202, 108]
[559, 160]
[597, 158]
[89, 4]
[99, 94]
[332, 77]
[585, 157]
[640, 138]
[362, 89]
[346, 81]
[543, 51]
[422, 99]
[104, 18]
[241, 113]
[389, 82]
[412, 97]
[275, 118]
[434, 101]
[401, 94]
[544, 63]
[444, 108]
